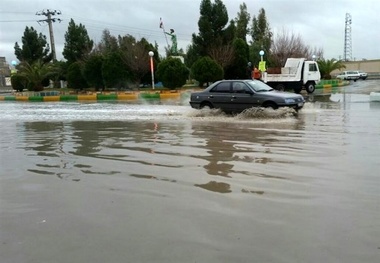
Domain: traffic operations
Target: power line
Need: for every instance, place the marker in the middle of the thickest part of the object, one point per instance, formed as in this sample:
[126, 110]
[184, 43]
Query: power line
[11, 21]
[101, 25]
[7, 12]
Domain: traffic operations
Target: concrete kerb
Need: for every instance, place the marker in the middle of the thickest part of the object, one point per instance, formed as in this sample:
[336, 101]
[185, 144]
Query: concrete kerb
[130, 96]
[328, 84]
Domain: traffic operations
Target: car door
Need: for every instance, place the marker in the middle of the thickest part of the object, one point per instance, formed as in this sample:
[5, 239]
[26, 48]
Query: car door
[220, 95]
[241, 97]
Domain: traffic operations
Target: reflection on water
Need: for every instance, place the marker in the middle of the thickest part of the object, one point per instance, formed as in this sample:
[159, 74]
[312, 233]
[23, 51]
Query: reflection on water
[127, 183]
[215, 187]
[78, 148]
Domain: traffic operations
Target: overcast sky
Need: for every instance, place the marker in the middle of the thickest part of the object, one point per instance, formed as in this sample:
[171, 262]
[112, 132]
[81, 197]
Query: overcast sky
[320, 23]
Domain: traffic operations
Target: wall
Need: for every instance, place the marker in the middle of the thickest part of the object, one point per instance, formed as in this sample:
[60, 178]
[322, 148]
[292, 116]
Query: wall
[369, 66]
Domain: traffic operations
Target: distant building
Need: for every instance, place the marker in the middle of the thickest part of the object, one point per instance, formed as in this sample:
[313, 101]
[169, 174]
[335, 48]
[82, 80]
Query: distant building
[5, 72]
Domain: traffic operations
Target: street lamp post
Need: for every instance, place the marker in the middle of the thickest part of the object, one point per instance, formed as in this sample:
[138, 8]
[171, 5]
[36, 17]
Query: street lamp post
[261, 54]
[151, 54]
[262, 66]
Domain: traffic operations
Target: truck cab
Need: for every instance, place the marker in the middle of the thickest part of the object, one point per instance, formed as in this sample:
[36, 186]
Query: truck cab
[298, 73]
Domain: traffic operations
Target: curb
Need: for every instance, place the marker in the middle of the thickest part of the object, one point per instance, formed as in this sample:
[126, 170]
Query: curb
[328, 84]
[100, 97]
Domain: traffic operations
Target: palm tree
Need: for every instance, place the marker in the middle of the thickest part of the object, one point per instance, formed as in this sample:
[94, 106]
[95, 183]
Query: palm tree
[36, 73]
[328, 66]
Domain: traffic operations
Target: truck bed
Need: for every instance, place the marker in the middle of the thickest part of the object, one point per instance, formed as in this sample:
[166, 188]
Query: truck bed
[281, 77]
[287, 74]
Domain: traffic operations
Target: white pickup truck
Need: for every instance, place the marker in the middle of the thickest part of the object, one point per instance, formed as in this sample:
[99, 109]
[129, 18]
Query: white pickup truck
[298, 73]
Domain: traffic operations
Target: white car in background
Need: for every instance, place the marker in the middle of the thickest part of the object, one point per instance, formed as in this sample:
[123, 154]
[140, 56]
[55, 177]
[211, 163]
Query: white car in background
[363, 75]
[349, 75]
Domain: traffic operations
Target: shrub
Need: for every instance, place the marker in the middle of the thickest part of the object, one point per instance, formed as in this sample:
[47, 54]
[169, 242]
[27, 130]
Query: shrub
[206, 70]
[19, 83]
[172, 72]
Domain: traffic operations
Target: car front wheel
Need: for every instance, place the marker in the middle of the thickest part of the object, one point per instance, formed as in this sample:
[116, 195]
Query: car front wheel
[270, 104]
[206, 105]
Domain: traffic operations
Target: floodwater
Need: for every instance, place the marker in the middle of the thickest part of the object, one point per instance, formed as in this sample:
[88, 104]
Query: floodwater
[161, 182]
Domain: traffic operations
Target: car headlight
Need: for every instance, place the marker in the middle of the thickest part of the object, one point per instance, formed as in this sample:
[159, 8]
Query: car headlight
[290, 101]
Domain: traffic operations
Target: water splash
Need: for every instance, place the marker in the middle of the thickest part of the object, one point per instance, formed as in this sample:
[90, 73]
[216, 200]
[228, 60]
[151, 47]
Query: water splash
[207, 112]
[267, 113]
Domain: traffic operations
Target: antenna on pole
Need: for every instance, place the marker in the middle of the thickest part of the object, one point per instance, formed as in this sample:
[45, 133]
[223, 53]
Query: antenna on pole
[49, 19]
[347, 39]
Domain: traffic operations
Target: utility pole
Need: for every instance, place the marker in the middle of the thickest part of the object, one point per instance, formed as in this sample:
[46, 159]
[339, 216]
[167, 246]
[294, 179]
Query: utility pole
[50, 20]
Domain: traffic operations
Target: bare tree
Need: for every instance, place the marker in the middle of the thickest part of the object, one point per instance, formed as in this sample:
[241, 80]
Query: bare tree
[107, 44]
[289, 45]
[135, 54]
[223, 55]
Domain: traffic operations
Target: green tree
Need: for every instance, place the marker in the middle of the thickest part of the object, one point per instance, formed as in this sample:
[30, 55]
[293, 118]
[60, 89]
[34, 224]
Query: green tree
[237, 69]
[34, 47]
[75, 78]
[36, 73]
[62, 67]
[78, 44]
[212, 21]
[242, 21]
[261, 36]
[115, 72]
[329, 65]
[192, 55]
[206, 70]
[92, 71]
[172, 72]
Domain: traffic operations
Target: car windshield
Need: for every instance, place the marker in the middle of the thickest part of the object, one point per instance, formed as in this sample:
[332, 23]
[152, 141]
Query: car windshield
[259, 86]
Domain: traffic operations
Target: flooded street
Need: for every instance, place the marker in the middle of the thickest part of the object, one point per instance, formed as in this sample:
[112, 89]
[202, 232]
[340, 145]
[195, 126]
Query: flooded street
[162, 182]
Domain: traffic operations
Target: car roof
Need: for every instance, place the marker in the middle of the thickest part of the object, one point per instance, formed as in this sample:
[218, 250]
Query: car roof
[230, 80]
[351, 71]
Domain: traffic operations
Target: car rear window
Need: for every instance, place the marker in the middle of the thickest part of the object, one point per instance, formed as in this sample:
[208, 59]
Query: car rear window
[223, 87]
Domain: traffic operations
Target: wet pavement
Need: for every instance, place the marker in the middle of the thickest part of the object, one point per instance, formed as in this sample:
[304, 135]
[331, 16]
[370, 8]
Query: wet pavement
[161, 182]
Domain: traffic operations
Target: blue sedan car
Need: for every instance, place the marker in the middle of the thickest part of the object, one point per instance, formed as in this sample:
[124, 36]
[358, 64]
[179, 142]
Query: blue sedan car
[234, 96]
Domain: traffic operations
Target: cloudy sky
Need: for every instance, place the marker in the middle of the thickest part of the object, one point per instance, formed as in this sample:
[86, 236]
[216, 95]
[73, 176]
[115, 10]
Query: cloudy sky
[320, 23]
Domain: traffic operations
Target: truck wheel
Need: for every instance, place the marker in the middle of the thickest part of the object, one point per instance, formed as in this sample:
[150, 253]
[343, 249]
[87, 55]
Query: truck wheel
[310, 87]
[280, 87]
